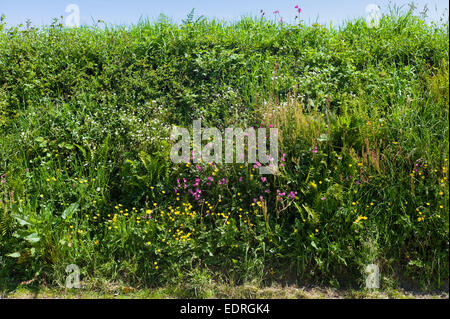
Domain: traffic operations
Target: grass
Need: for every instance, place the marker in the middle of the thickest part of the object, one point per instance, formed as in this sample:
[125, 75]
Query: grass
[86, 177]
[217, 291]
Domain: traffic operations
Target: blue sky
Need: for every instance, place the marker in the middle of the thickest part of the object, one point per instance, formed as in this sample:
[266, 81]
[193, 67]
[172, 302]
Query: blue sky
[41, 12]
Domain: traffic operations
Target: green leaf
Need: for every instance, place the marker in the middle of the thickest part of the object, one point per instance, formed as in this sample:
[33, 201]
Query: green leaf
[323, 138]
[33, 238]
[14, 255]
[21, 221]
[68, 212]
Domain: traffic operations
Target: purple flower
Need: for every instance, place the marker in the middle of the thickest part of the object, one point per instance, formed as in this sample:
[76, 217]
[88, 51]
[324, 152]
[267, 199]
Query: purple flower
[292, 195]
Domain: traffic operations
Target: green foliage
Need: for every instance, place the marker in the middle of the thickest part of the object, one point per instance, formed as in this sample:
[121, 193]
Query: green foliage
[85, 117]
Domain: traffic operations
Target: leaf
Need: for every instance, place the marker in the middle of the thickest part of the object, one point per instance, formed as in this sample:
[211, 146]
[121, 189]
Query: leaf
[312, 214]
[14, 255]
[21, 221]
[33, 238]
[323, 138]
[68, 212]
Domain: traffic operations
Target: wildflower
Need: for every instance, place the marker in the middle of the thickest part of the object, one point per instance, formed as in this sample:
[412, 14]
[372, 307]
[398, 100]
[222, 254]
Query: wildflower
[292, 195]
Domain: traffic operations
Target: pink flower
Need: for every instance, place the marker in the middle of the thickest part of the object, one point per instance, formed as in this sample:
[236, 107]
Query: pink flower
[276, 11]
[263, 179]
